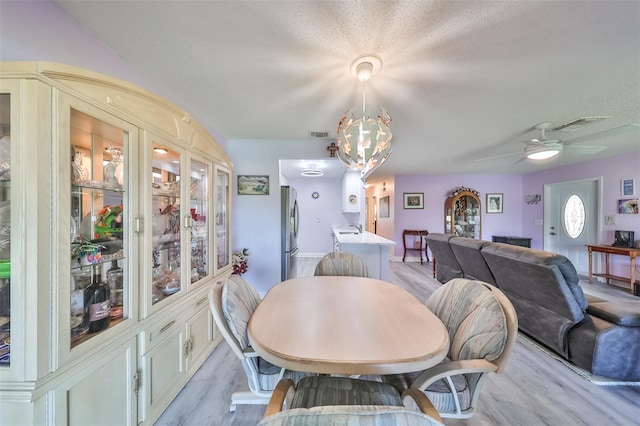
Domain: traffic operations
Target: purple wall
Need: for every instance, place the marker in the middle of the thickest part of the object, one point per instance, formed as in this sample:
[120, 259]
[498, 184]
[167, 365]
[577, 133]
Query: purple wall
[519, 218]
[436, 188]
[612, 170]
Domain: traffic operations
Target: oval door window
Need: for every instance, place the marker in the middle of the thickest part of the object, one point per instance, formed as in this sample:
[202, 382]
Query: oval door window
[574, 216]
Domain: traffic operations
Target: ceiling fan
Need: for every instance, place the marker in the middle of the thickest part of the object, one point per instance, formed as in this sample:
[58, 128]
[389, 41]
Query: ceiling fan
[543, 148]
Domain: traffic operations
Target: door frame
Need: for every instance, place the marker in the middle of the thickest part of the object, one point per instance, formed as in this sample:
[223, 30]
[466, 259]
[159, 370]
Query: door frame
[598, 217]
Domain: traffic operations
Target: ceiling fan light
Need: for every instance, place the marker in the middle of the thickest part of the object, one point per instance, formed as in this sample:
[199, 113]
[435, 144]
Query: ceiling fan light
[543, 153]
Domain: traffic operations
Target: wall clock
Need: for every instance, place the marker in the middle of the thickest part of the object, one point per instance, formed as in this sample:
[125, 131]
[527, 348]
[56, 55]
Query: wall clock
[353, 198]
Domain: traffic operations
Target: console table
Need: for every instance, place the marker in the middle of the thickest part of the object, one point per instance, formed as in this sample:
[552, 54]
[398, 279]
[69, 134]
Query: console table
[514, 241]
[423, 247]
[631, 253]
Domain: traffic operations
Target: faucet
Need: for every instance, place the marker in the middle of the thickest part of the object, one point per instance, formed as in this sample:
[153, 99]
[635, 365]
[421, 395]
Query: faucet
[359, 228]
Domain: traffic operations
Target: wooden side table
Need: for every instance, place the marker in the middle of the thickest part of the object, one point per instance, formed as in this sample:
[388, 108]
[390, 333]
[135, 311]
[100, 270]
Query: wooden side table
[631, 253]
[422, 248]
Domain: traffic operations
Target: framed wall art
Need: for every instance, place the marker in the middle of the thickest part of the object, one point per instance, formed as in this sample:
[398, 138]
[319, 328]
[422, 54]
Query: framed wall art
[628, 206]
[413, 200]
[253, 185]
[627, 187]
[494, 203]
[384, 207]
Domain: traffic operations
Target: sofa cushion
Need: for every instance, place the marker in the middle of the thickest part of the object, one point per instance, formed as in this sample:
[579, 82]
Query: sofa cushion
[606, 349]
[447, 266]
[541, 257]
[546, 304]
[467, 252]
[625, 313]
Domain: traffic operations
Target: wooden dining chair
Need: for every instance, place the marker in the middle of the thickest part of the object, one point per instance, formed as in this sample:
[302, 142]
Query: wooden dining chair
[482, 326]
[232, 303]
[329, 400]
[341, 263]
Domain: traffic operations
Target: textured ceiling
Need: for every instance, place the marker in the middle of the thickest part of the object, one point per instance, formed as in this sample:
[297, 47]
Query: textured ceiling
[462, 80]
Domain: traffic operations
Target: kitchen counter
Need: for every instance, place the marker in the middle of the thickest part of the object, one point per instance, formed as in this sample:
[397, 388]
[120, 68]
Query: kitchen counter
[373, 249]
[364, 238]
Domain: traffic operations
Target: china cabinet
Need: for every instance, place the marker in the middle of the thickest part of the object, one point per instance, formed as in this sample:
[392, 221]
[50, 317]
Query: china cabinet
[107, 246]
[462, 214]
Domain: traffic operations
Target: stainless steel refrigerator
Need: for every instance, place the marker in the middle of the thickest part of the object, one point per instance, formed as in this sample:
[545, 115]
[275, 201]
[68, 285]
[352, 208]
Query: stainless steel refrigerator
[290, 222]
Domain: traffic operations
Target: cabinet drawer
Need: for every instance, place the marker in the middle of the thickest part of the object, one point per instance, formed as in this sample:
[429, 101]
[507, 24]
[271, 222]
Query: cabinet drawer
[161, 328]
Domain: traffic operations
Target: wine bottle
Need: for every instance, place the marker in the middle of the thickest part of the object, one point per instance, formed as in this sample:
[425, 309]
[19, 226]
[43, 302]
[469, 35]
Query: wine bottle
[96, 302]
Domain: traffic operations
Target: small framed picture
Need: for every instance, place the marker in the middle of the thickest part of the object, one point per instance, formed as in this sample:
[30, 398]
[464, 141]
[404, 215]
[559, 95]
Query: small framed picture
[494, 203]
[627, 187]
[253, 185]
[628, 206]
[413, 200]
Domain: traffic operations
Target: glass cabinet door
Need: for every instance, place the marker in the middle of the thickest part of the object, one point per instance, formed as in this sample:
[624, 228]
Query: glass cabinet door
[463, 214]
[167, 253]
[223, 194]
[99, 284]
[5, 228]
[198, 212]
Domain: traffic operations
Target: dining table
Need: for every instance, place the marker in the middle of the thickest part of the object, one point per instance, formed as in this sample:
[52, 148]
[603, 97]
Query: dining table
[346, 326]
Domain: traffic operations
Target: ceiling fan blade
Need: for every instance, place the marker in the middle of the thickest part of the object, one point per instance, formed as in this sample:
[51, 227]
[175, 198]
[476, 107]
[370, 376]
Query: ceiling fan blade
[604, 133]
[524, 157]
[587, 149]
[499, 156]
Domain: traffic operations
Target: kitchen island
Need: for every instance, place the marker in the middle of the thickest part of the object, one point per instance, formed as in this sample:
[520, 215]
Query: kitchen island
[373, 249]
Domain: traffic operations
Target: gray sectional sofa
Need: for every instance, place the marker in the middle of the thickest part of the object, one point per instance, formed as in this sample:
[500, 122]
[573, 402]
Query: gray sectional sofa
[601, 336]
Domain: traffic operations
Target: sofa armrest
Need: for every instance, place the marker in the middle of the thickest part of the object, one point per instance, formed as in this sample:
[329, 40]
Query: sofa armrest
[624, 313]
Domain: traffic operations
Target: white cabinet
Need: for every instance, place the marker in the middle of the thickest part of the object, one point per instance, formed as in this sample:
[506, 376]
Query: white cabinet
[351, 192]
[102, 181]
[92, 394]
[175, 350]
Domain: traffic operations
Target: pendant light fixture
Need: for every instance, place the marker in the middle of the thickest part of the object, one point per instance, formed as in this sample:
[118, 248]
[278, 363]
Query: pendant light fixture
[364, 137]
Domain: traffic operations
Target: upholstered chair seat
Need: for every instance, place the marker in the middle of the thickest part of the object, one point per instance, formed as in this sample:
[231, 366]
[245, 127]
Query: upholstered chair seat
[341, 263]
[232, 304]
[327, 400]
[482, 326]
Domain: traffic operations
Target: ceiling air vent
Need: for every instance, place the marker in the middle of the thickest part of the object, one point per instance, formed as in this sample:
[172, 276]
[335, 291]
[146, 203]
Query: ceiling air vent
[324, 134]
[578, 123]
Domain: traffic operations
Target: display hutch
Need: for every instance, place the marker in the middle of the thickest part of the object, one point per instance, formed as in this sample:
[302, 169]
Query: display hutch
[114, 224]
[462, 213]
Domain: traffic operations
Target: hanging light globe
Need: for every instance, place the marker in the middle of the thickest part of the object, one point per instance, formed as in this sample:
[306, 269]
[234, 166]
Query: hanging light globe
[364, 136]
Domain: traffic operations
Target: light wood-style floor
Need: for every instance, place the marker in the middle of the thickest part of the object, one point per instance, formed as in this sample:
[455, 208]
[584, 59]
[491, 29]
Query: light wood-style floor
[534, 389]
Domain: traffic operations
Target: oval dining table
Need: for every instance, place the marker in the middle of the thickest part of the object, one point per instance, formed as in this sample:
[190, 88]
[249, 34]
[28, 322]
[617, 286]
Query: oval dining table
[346, 326]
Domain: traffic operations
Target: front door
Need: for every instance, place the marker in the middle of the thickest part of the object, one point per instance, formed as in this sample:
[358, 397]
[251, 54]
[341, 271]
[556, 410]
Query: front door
[572, 220]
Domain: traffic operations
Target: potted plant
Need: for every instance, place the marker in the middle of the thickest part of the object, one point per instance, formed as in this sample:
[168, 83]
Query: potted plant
[87, 253]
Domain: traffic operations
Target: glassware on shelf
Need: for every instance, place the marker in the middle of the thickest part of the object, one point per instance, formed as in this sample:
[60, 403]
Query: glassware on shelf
[111, 181]
[115, 276]
[80, 280]
[5, 229]
[5, 158]
[80, 172]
